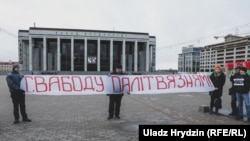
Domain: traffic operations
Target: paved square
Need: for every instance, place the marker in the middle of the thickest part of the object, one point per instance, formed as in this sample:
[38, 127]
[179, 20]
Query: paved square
[84, 118]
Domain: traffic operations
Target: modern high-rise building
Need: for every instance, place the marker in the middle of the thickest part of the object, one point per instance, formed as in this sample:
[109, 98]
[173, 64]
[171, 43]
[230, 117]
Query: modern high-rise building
[56, 49]
[233, 49]
[189, 60]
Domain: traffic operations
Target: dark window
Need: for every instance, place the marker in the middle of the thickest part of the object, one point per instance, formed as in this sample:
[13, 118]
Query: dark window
[51, 54]
[141, 56]
[92, 55]
[130, 56]
[37, 54]
[79, 55]
[117, 53]
[105, 55]
[65, 55]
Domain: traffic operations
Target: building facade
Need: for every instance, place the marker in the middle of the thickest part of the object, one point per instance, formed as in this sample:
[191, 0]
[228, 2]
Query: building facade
[6, 66]
[233, 49]
[55, 49]
[189, 60]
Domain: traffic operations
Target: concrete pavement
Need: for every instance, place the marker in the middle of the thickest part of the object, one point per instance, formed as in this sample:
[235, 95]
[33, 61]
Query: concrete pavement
[84, 118]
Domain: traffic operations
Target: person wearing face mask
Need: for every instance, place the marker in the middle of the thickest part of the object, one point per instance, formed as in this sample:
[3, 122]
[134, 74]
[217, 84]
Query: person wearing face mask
[218, 79]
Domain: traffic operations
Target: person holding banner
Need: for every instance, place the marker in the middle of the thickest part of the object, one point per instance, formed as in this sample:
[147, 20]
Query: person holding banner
[115, 99]
[18, 95]
[218, 79]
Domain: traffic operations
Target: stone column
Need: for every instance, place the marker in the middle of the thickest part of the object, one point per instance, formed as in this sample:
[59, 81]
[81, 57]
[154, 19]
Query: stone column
[58, 54]
[72, 54]
[123, 55]
[20, 51]
[98, 54]
[111, 54]
[147, 57]
[85, 54]
[136, 56]
[30, 54]
[44, 53]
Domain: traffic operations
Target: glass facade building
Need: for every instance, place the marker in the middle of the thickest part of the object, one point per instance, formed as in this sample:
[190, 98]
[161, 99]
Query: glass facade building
[189, 60]
[55, 49]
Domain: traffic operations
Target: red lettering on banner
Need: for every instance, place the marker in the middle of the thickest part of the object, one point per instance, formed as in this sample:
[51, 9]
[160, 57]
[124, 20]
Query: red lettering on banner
[206, 79]
[54, 82]
[171, 79]
[197, 78]
[209, 82]
[189, 81]
[138, 83]
[160, 80]
[101, 84]
[113, 82]
[64, 84]
[26, 82]
[148, 78]
[90, 82]
[74, 83]
[40, 84]
[184, 82]
[124, 84]
[142, 85]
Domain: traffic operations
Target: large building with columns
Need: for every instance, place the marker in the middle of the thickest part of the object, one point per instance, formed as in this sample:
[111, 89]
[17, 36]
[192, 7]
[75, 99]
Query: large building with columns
[56, 49]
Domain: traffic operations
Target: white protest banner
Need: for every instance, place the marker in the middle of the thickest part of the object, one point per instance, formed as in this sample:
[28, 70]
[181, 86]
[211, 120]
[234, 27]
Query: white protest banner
[104, 84]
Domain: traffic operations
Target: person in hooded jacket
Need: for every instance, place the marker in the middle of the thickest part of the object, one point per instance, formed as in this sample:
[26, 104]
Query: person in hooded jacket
[17, 94]
[218, 79]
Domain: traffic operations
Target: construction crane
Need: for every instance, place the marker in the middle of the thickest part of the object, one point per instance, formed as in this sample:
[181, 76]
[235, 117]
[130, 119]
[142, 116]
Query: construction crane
[8, 32]
[217, 37]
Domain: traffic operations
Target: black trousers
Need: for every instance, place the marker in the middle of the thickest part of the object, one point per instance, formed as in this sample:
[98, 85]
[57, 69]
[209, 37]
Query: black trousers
[212, 102]
[234, 103]
[18, 100]
[115, 104]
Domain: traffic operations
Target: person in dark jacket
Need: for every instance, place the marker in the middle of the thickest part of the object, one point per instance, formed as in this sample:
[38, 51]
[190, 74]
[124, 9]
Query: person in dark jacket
[115, 99]
[242, 87]
[218, 79]
[232, 92]
[17, 94]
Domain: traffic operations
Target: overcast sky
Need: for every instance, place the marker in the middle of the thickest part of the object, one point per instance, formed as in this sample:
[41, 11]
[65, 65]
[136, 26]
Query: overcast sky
[175, 23]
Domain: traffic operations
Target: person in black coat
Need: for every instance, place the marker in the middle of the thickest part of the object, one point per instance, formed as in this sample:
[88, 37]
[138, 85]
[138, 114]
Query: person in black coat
[218, 79]
[17, 94]
[242, 88]
[115, 99]
[232, 92]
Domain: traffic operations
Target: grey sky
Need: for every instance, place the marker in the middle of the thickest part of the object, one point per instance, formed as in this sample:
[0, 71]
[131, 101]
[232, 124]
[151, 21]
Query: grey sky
[171, 21]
